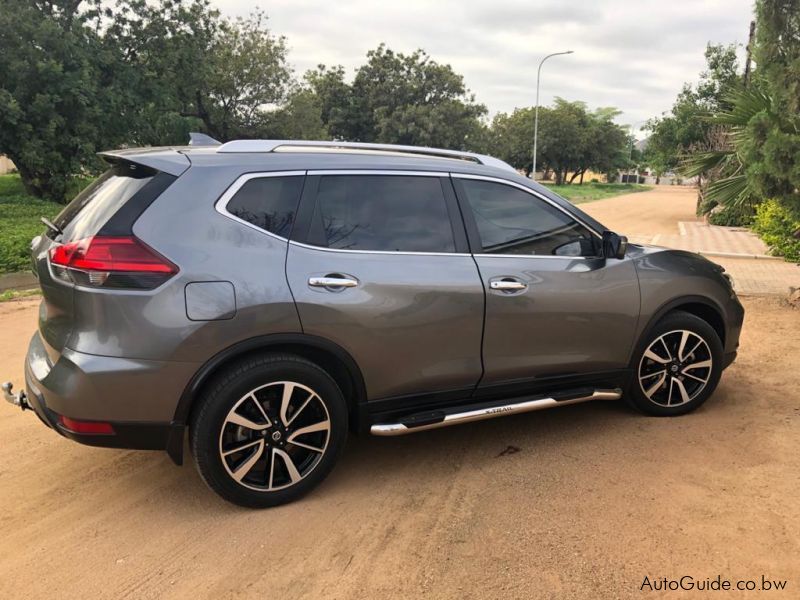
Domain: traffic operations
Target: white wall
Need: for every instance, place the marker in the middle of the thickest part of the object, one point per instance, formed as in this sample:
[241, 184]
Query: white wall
[6, 166]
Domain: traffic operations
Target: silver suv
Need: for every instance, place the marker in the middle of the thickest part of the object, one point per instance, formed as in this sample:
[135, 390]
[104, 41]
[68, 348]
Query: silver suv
[269, 296]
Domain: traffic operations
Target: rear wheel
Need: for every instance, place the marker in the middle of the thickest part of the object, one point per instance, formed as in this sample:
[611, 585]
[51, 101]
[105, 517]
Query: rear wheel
[677, 366]
[268, 430]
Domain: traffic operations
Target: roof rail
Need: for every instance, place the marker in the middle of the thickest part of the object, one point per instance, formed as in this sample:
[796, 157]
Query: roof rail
[272, 145]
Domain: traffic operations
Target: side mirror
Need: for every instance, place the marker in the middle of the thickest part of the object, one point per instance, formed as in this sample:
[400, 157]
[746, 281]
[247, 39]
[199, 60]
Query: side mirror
[614, 246]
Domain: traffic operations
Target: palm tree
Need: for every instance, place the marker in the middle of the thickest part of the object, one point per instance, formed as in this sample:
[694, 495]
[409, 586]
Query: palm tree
[723, 160]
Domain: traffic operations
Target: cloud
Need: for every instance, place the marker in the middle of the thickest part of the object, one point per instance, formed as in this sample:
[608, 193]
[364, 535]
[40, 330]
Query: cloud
[632, 55]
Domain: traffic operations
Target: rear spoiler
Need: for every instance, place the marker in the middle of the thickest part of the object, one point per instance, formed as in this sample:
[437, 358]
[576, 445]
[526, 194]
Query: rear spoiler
[167, 159]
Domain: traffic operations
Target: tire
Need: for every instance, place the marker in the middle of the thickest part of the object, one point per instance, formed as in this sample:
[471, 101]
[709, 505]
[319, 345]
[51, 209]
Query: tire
[677, 366]
[246, 433]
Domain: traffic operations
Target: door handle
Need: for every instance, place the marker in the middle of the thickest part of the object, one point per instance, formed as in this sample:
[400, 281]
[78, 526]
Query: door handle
[507, 285]
[332, 282]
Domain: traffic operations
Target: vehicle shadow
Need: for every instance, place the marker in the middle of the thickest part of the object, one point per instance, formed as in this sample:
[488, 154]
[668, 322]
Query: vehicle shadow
[369, 462]
[535, 443]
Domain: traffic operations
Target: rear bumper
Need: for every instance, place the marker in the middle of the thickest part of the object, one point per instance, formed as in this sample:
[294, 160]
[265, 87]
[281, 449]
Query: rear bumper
[121, 392]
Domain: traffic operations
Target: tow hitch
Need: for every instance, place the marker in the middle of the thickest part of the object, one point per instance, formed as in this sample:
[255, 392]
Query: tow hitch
[20, 399]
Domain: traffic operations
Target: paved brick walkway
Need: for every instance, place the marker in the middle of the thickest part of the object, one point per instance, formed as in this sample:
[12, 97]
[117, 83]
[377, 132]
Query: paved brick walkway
[760, 277]
[665, 217]
[698, 236]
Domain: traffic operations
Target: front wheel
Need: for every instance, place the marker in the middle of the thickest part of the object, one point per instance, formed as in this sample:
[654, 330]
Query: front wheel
[677, 366]
[268, 430]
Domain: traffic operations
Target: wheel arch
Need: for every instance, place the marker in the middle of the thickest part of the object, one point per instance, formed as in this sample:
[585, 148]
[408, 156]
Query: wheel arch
[700, 306]
[336, 361]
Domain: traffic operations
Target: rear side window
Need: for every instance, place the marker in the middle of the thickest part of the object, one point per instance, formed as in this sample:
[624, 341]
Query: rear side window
[511, 221]
[86, 215]
[269, 203]
[394, 213]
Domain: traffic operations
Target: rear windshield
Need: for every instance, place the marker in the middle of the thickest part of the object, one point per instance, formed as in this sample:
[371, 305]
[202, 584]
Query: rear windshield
[95, 205]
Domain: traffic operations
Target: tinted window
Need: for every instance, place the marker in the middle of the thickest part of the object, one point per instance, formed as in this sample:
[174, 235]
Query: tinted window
[382, 212]
[511, 221]
[94, 206]
[268, 202]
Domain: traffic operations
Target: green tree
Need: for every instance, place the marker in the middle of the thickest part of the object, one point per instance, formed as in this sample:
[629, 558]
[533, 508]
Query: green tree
[675, 134]
[604, 144]
[243, 74]
[399, 99]
[564, 138]
[511, 138]
[157, 54]
[335, 98]
[756, 154]
[300, 118]
[774, 167]
[54, 107]
[80, 76]
[571, 139]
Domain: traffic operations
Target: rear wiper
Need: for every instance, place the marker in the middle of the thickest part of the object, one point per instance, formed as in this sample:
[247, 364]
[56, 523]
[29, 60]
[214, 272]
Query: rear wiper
[51, 226]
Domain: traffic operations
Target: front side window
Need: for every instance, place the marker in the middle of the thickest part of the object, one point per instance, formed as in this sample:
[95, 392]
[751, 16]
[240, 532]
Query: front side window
[511, 221]
[392, 213]
[269, 203]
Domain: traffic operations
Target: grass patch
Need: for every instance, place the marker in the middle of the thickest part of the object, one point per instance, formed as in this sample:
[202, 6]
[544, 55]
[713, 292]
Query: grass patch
[19, 223]
[9, 295]
[589, 192]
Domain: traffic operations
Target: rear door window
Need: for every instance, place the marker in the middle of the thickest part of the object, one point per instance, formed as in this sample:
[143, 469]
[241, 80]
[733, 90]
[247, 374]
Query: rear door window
[390, 213]
[91, 209]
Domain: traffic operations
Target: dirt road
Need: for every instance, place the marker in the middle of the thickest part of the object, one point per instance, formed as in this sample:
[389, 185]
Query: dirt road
[578, 502]
[645, 214]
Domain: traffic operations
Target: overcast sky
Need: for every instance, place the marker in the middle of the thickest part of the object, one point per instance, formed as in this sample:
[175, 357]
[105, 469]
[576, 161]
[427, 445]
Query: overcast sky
[634, 55]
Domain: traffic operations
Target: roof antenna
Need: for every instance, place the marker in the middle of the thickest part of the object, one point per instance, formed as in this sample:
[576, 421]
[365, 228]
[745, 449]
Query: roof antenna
[201, 139]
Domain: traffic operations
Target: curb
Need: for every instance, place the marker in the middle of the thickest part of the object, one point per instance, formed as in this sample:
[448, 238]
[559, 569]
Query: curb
[18, 281]
[737, 255]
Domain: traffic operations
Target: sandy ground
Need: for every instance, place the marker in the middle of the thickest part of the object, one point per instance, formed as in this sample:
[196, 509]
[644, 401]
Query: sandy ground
[577, 502]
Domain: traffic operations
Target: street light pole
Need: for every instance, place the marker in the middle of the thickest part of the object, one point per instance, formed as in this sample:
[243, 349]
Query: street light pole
[536, 118]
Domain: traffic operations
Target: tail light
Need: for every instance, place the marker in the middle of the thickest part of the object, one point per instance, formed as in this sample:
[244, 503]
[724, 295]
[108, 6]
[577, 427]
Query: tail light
[88, 427]
[111, 262]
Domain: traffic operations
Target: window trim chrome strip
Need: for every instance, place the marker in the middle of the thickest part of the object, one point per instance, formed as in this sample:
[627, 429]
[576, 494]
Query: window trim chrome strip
[385, 252]
[221, 205]
[379, 172]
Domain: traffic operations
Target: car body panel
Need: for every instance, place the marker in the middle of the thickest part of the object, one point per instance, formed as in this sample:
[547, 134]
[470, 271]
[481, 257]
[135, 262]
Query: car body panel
[413, 323]
[668, 276]
[153, 325]
[576, 315]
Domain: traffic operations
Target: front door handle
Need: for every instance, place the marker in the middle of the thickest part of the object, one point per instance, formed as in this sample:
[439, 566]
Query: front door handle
[332, 281]
[507, 285]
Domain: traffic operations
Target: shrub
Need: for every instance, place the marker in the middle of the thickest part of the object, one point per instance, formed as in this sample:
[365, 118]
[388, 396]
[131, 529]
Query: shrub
[731, 216]
[775, 224]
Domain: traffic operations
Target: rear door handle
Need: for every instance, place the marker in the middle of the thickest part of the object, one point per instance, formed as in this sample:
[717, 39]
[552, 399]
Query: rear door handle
[507, 285]
[330, 281]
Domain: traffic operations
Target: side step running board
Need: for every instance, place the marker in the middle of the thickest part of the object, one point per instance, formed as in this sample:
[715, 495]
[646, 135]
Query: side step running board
[477, 412]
